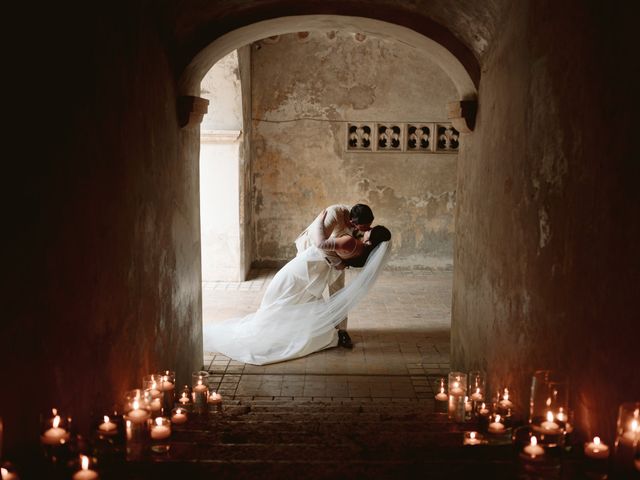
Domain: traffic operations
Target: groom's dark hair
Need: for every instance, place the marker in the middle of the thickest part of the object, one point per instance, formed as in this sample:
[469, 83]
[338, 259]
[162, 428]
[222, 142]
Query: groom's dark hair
[361, 214]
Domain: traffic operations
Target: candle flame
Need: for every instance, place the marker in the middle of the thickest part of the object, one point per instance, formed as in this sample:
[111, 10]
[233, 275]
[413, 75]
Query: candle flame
[497, 418]
[54, 411]
[634, 426]
[159, 421]
[478, 390]
[106, 419]
[4, 472]
[154, 385]
[506, 394]
[136, 405]
[199, 382]
[184, 395]
[534, 441]
[56, 421]
[179, 410]
[466, 399]
[549, 416]
[472, 435]
[441, 390]
[456, 384]
[548, 401]
[596, 441]
[128, 423]
[85, 462]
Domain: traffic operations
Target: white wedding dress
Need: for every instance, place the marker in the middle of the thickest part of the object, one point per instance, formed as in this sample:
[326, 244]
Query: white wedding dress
[294, 319]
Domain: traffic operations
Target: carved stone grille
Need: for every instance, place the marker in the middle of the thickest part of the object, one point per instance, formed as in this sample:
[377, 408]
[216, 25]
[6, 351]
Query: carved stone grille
[402, 137]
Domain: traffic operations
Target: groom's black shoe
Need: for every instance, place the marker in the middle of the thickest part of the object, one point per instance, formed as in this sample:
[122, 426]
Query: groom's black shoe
[344, 340]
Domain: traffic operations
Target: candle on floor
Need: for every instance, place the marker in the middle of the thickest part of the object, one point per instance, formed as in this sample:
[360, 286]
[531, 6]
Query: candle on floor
[184, 399]
[483, 409]
[215, 398]
[441, 396]
[56, 434]
[549, 426]
[456, 390]
[179, 416]
[160, 429]
[596, 449]
[85, 473]
[496, 426]
[155, 406]
[533, 449]
[472, 438]
[505, 402]
[137, 415]
[108, 427]
[7, 475]
[467, 405]
[476, 396]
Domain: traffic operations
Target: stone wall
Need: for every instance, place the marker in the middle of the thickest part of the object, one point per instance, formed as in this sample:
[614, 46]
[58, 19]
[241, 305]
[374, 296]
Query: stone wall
[547, 268]
[306, 88]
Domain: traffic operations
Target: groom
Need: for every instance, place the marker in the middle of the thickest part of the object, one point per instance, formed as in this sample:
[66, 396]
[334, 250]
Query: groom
[339, 220]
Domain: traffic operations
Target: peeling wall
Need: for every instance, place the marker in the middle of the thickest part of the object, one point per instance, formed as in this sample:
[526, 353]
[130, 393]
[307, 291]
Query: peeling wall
[306, 87]
[547, 264]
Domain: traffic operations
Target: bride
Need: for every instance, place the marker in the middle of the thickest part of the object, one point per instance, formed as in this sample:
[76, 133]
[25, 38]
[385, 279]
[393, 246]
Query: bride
[294, 318]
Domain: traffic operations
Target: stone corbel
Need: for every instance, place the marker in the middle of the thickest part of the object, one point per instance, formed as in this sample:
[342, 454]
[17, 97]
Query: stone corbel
[191, 111]
[463, 115]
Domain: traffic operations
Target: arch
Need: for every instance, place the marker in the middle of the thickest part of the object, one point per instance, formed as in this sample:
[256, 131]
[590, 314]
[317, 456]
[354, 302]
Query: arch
[461, 67]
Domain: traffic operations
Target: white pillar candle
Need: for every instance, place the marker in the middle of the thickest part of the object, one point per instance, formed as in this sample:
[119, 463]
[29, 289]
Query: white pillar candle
[596, 449]
[85, 473]
[533, 449]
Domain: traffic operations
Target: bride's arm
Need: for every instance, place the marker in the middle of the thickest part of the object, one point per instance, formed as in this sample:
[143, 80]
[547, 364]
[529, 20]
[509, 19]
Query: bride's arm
[325, 222]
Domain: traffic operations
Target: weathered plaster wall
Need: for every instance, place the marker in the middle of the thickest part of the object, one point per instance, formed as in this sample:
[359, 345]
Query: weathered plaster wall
[547, 267]
[220, 139]
[104, 264]
[245, 175]
[305, 89]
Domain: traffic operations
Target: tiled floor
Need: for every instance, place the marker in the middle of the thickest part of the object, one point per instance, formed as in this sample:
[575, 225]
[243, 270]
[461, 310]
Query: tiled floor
[400, 331]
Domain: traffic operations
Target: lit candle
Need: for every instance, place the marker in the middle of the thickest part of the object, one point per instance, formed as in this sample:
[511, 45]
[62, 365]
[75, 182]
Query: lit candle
[550, 426]
[561, 416]
[456, 390]
[138, 415]
[108, 427]
[476, 396]
[166, 384]
[200, 388]
[155, 405]
[154, 391]
[632, 434]
[496, 426]
[179, 417]
[442, 397]
[161, 429]
[596, 449]
[55, 435]
[467, 404]
[471, 438]
[215, 398]
[505, 402]
[483, 409]
[533, 449]
[7, 475]
[85, 473]
[129, 430]
[184, 399]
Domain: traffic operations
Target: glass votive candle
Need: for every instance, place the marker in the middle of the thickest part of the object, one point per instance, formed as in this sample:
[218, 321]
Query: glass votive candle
[627, 438]
[549, 406]
[179, 415]
[215, 401]
[504, 403]
[108, 427]
[160, 433]
[441, 396]
[136, 414]
[483, 413]
[200, 390]
[457, 392]
[55, 430]
[472, 438]
[85, 472]
[184, 399]
[476, 386]
[155, 403]
[152, 383]
[167, 387]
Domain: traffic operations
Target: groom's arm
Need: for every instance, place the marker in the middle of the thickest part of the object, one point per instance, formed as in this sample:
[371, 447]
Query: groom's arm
[320, 230]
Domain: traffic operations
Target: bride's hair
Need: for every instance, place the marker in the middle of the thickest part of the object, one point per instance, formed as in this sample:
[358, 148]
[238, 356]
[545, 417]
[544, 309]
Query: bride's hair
[378, 234]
